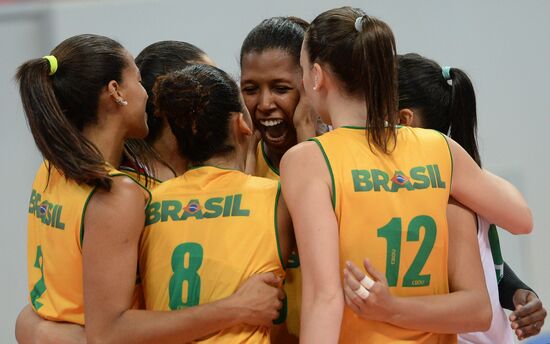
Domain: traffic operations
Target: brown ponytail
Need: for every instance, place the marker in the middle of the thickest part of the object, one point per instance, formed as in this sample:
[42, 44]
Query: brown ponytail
[59, 106]
[364, 60]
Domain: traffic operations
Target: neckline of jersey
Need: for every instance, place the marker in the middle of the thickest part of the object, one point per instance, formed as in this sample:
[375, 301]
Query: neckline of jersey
[213, 166]
[363, 128]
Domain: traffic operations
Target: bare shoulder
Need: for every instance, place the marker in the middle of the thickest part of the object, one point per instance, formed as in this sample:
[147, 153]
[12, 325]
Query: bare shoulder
[122, 207]
[303, 169]
[303, 155]
[123, 189]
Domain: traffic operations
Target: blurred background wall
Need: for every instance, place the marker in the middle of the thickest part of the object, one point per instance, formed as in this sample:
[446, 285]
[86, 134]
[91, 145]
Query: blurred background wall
[503, 45]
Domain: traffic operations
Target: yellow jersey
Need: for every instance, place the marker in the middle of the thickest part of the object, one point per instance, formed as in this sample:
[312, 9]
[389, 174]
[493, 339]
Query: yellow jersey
[293, 280]
[207, 231]
[391, 209]
[55, 231]
[264, 168]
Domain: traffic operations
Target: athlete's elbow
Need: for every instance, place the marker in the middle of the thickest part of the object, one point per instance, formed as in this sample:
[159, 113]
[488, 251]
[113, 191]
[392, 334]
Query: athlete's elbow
[485, 317]
[525, 225]
[528, 225]
[521, 222]
[482, 317]
[323, 299]
[101, 337]
[96, 340]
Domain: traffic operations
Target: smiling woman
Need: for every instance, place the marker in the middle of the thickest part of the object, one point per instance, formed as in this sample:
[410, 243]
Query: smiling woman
[271, 82]
[271, 85]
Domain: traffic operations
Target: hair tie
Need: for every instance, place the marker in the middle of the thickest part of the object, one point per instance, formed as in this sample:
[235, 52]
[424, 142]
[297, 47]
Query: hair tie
[53, 63]
[446, 71]
[359, 24]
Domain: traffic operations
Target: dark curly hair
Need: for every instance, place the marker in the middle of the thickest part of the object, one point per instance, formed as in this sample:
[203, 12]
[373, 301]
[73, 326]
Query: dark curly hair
[198, 101]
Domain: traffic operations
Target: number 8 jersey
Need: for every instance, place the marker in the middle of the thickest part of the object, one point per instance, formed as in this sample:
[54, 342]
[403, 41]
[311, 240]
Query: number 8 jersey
[391, 209]
[207, 232]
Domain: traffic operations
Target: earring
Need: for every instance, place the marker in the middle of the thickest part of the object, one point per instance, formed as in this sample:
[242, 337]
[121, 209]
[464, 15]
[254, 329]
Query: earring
[121, 102]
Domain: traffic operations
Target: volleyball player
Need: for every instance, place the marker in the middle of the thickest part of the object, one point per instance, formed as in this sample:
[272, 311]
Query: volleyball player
[372, 190]
[213, 227]
[443, 99]
[271, 79]
[158, 59]
[85, 218]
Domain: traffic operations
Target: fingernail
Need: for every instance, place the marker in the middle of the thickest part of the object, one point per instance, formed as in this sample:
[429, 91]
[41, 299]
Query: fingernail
[519, 332]
[512, 317]
[348, 263]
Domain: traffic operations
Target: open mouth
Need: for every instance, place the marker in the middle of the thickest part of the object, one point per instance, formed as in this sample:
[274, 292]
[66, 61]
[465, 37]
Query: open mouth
[273, 130]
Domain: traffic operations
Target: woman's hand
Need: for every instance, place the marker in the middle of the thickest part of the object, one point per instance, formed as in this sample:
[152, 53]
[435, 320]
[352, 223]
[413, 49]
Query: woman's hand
[377, 303]
[260, 297]
[528, 318]
[304, 120]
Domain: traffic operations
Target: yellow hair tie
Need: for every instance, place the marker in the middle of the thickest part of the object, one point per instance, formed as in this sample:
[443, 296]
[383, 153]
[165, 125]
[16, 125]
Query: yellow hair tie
[53, 63]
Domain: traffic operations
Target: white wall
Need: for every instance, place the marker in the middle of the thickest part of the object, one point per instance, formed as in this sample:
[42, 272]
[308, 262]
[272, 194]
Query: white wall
[503, 45]
[22, 34]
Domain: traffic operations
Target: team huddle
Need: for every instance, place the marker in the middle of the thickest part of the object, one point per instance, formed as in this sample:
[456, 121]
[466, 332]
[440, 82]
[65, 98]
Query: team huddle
[335, 195]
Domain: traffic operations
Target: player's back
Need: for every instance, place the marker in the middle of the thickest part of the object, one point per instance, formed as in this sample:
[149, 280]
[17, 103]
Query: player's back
[391, 209]
[207, 232]
[54, 246]
[54, 252]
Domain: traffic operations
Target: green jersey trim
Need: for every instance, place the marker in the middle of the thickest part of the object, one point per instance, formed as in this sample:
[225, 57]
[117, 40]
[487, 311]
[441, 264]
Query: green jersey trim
[147, 191]
[279, 251]
[83, 214]
[266, 159]
[353, 127]
[333, 196]
[496, 252]
[146, 176]
[397, 126]
[119, 174]
[214, 166]
[283, 311]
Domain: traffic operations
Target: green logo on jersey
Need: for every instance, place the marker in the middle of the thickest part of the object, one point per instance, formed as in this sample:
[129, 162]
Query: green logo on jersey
[174, 210]
[421, 177]
[48, 212]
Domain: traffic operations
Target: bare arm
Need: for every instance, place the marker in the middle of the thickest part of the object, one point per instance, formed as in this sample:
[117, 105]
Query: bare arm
[113, 224]
[30, 328]
[487, 194]
[447, 313]
[307, 191]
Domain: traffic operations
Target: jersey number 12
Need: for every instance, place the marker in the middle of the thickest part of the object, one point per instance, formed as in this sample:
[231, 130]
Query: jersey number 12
[392, 233]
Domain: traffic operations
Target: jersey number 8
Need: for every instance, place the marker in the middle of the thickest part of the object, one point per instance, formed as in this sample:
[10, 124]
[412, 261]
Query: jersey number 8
[186, 261]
